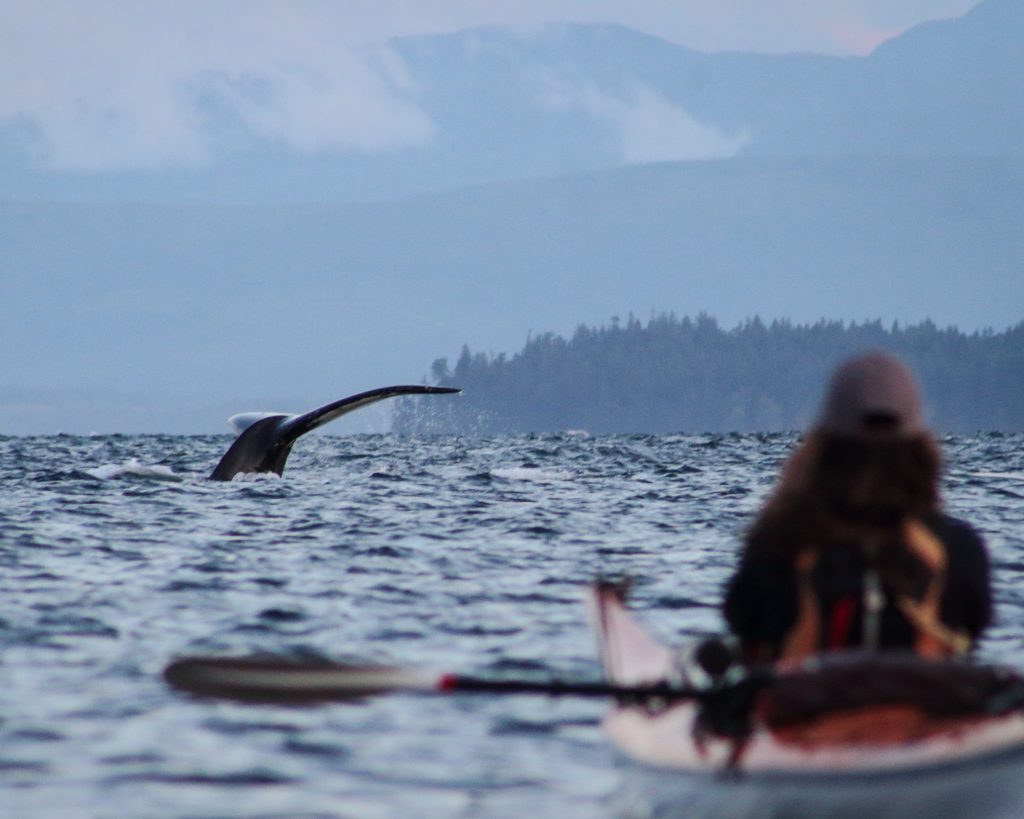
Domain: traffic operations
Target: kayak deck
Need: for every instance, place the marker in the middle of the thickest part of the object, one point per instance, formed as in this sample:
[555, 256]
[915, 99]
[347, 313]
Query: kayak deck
[668, 740]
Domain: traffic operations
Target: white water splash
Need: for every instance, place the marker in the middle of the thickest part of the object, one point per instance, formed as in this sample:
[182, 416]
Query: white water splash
[526, 473]
[134, 470]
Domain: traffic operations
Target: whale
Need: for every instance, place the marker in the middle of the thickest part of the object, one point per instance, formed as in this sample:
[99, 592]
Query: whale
[265, 439]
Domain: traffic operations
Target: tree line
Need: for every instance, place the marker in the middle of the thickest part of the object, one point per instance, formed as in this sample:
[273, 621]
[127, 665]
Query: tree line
[692, 375]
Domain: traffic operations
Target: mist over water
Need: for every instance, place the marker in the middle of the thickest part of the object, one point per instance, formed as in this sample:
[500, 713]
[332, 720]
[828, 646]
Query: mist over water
[460, 554]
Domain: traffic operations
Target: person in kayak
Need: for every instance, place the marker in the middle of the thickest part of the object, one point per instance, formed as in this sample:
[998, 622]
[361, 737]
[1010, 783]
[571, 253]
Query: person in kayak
[852, 550]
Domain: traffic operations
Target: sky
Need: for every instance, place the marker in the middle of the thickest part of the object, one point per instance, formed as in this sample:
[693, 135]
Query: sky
[101, 85]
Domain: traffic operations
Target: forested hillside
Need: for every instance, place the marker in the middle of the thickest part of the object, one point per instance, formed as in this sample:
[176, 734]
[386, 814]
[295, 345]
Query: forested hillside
[692, 375]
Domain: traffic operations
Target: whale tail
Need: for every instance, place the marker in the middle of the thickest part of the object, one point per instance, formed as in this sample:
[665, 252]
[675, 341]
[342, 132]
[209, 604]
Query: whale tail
[266, 440]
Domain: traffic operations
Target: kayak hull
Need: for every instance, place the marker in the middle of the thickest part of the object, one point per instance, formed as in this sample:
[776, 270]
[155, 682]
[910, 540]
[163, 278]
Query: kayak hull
[989, 788]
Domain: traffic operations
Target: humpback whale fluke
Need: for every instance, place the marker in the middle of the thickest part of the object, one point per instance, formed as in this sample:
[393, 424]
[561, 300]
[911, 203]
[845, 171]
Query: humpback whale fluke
[265, 443]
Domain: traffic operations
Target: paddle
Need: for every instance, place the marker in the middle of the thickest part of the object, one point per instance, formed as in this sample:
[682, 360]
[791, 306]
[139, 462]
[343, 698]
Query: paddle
[258, 679]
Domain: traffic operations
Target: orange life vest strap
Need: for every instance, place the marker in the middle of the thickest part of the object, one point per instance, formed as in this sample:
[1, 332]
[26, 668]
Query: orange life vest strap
[933, 637]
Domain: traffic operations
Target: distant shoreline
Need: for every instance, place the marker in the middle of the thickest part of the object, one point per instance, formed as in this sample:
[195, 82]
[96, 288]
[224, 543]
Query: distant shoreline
[692, 375]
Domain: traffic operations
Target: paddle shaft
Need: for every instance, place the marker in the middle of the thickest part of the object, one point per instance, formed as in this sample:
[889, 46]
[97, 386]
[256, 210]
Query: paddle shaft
[557, 688]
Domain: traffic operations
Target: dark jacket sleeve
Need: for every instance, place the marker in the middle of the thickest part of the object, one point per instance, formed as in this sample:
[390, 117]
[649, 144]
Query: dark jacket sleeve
[761, 604]
[967, 601]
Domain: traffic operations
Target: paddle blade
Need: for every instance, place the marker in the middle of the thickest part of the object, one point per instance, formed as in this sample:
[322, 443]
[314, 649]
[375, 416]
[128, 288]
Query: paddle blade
[276, 680]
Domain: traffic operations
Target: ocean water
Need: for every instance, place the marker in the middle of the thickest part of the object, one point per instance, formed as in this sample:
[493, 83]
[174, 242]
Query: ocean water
[457, 554]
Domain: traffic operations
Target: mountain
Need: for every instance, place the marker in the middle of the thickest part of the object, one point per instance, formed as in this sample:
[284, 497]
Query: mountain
[585, 94]
[171, 317]
[945, 87]
[508, 104]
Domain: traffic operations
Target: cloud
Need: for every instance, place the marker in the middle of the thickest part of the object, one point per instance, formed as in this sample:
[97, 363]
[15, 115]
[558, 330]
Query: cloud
[647, 126]
[652, 130]
[114, 85]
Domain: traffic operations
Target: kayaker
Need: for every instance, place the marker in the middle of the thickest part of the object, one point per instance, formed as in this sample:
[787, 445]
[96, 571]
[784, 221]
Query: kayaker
[852, 550]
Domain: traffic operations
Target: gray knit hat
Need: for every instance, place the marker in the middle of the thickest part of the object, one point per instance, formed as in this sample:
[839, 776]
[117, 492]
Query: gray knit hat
[873, 395]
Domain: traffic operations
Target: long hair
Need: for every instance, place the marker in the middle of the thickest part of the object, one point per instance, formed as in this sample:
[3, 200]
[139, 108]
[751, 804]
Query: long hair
[851, 491]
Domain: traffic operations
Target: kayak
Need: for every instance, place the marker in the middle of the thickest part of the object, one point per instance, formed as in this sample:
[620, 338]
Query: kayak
[846, 735]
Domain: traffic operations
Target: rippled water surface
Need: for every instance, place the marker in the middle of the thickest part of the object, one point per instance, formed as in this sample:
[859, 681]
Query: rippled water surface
[117, 555]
